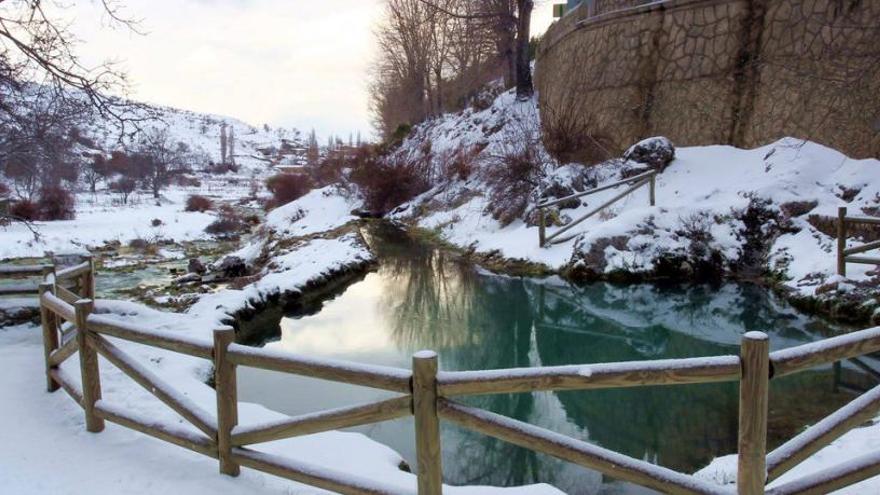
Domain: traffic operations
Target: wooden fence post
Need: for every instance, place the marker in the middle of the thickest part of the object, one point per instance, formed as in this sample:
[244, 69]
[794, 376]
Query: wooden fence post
[50, 336]
[88, 359]
[753, 402]
[88, 280]
[430, 470]
[653, 190]
[226, 389]
[841, 241]
[542, 228]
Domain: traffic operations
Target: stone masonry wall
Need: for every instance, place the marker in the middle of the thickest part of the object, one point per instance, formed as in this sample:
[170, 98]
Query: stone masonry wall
[741, 72]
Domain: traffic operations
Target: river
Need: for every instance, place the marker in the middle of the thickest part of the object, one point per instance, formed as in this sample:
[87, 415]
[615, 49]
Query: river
[421, 297]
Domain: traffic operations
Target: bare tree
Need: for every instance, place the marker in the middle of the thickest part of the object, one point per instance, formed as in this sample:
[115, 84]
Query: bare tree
[160, 160]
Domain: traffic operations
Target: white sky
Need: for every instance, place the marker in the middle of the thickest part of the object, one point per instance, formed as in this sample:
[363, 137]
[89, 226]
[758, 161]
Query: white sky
[301, 63]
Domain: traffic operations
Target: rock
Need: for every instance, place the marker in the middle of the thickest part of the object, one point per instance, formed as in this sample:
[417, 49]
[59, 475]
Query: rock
[656, 152]
[196, 266]
[187, 279]
[232, 267]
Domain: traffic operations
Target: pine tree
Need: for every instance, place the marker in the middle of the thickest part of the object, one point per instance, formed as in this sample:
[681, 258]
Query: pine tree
[231, 145]
[313, 151]
[223, 143]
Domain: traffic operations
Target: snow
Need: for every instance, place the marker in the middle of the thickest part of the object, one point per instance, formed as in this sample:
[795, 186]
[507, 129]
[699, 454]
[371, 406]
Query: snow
[99, 220]
[48, 430]
[845, 451]
[318, 211]
[705, 186]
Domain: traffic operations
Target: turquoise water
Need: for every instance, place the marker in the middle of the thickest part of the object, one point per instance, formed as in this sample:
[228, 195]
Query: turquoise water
[422, 298]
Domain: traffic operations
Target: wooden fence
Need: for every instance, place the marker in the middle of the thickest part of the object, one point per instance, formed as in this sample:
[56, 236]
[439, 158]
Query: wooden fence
[845, 255]
[427, 393]
[17, 272]
[646, 179]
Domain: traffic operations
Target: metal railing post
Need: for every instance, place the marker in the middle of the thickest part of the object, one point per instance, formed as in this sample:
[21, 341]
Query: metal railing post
[427, 423]
[226, 389]
[841, 241]
[88, 359]
[653, 190]
[753, 405]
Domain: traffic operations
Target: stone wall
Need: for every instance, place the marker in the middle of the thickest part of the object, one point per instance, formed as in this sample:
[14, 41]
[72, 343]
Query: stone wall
[741, 72]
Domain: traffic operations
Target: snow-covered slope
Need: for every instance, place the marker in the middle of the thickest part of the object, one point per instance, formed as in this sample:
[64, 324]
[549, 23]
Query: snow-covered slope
[767, 209]
[256, 147]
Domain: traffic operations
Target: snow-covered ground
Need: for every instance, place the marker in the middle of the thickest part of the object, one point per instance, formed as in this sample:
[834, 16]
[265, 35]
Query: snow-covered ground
[707, 192]
[858, 442]
[102, 218]
[49, 429]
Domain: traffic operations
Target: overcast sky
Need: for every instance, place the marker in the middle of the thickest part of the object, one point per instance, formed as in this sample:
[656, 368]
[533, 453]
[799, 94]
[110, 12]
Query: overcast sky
[300, 63]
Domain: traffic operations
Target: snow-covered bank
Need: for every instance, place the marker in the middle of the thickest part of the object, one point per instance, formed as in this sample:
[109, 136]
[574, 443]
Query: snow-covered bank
[767, 212]
[102, 219]
[48, 432]
[50, 428]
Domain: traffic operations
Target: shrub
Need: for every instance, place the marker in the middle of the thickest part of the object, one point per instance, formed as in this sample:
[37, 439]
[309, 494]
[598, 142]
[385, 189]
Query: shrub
[157, 222]
[4, 190]
[571, 138]
[513, 174]
[389, 183]
[228, 224]
[56, 204]
[286, 188]
[187, 181]
[24, 210]
[222, 168]
[198, 203]
[124, 187]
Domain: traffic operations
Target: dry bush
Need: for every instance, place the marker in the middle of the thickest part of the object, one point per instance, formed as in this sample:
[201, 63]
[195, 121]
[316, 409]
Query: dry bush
[124, 187]
[187, 181]
[386, 184]
[222, 168]
[229, 223]
[56, 203]
[514, 172]
[568, 138]
[198, 203]
[286, 188]
[460, 163]
[24, 210]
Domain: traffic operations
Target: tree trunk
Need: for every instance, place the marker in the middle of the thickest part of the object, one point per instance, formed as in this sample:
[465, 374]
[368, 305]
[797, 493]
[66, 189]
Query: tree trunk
[524, 88]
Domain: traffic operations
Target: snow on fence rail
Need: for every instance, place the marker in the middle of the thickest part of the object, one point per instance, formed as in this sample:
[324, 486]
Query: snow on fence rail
[845, 255]
[638, 181]
[21, 271]
[426, 394]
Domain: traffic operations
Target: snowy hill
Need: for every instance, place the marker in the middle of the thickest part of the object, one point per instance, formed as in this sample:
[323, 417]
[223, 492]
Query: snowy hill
[256, 148]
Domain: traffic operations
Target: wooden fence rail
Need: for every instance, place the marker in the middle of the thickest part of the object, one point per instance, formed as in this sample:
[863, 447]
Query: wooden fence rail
[426, 394]
[845, 255]
[636, 182]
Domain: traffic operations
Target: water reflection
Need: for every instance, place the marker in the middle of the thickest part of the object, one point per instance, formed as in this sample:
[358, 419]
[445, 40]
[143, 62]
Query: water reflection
[423, 298]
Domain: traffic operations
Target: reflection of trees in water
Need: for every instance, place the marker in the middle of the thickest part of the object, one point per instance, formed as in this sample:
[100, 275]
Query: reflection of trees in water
[435, 301]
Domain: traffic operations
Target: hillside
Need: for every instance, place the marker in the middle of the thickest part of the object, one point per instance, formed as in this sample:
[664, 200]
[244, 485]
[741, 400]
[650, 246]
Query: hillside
[255, 147]
[763, 214]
